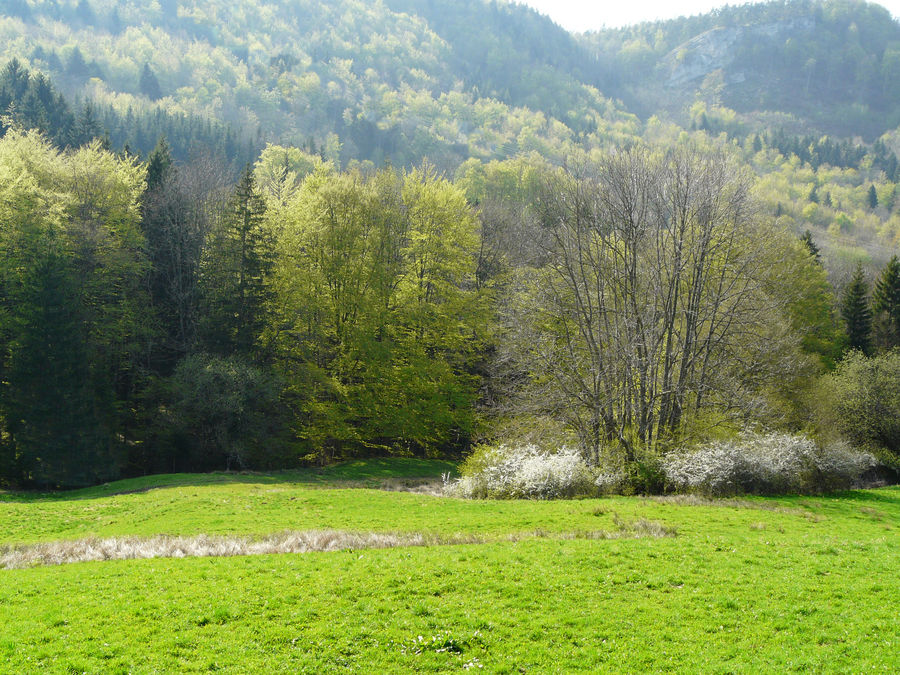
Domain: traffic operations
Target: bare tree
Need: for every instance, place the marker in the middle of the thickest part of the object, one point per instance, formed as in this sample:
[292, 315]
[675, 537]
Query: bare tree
[656, 302]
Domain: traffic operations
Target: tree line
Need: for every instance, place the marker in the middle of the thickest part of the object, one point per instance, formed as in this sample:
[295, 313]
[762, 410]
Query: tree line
[158, 316]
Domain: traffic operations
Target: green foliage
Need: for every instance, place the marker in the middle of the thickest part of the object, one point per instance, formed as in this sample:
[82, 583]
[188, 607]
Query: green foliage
[812, 303]
[379, 333]
[856, 312]
[225, 413]
[886, 304]
[234, 271]
[74, 312]
[862, 402]
[149, 85]
[807, 239]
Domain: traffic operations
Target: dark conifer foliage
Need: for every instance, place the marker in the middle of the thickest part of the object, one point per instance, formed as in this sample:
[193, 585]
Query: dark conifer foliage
[34, 104]
[872, 197]
[857, 313]
[84, 13]
[52, 410]
[234, 273]
[886, 303]
[149, 84]
[810, 244]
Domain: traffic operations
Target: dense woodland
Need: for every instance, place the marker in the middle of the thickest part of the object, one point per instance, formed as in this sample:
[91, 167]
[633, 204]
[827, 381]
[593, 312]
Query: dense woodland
[257, 235]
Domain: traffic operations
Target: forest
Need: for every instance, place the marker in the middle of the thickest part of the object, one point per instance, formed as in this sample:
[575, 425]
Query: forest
[162, 316]
[235, 239]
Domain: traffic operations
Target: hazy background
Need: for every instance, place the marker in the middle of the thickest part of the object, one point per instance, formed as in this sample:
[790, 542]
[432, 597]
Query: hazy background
[578, 15]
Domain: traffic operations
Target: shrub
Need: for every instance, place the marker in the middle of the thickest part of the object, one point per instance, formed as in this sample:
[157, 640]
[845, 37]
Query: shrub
[522, 472]
[862, 402]
[766, 464]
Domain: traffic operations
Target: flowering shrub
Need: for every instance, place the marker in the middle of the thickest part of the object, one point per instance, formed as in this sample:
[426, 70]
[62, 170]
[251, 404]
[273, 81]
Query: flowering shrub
[522, 472]
[770, 463]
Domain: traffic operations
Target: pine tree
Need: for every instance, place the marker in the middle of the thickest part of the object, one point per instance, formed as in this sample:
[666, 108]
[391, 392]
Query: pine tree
[77, 67]
[85, 13]
[807, 240]
[856, 312]
[234, 273]
[813, 195]
[886, 302]
[149, 85]
[873, 197]
[87, 126]
[159, 165]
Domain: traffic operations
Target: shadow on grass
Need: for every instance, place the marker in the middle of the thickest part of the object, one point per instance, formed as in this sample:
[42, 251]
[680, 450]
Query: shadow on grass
[356, 473]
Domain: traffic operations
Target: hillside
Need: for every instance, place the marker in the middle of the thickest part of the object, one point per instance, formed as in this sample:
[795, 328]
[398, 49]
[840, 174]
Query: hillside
[834, 67]
[402, 80]
[359, 80]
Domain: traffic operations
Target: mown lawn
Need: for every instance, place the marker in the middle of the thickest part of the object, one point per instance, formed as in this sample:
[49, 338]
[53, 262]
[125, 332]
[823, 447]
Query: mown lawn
[790, 584]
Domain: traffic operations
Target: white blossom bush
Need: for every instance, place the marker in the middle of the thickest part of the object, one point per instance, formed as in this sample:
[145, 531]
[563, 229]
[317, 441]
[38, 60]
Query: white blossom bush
[523, 472]
[766, 464]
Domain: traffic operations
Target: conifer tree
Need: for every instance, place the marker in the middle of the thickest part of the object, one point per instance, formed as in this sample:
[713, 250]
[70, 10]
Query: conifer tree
[159, 165]
[856, 312]
[807, 240]
[886, 302]
[149, 84]
[873, 197]
[234, 272]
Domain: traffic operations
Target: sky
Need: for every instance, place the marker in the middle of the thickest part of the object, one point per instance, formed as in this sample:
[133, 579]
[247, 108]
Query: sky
[583, 15]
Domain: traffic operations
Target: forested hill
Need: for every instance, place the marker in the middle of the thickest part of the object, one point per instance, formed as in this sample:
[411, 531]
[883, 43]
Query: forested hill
[807, 89]
[833, 66]
[396, 80]
[401, 79]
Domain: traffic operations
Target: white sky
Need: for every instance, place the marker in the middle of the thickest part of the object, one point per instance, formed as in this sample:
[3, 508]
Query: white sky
[583, 15]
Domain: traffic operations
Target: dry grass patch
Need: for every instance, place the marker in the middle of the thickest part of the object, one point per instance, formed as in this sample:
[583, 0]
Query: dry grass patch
[200, 546]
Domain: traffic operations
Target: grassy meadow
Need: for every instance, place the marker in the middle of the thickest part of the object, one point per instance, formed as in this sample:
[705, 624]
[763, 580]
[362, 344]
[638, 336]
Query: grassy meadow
[786, 584]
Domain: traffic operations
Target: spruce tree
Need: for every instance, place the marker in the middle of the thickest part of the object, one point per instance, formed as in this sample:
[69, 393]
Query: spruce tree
[873, 197]
[856, 312]
[234, 273]
[77, 67]
[149, 84]
[886, 302]
[807, 240]
[159, 165]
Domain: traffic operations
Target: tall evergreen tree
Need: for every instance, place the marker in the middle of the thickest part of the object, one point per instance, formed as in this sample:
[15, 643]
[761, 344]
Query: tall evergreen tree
[87, 126]
[873, 197]
[159, 165]
[149, 84]
[49, 402]
[856, 312]
[77, 67]
[807, 240]
[886, 303]
[234, 272]
[85, 13]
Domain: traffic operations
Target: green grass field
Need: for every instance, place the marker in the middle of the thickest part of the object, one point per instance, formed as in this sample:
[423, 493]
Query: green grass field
[789, 584]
